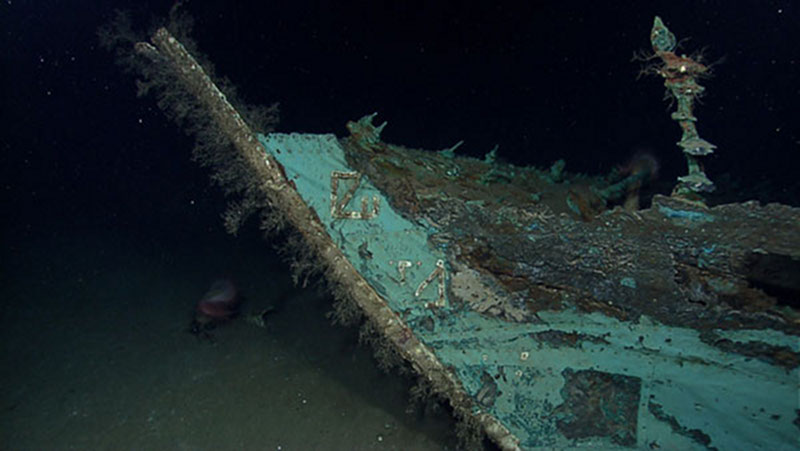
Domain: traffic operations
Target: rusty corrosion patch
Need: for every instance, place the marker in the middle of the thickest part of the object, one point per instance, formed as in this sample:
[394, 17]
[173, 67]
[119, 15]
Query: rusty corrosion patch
[771, 354]
[599, 404]
[695, 434]
[559, 339]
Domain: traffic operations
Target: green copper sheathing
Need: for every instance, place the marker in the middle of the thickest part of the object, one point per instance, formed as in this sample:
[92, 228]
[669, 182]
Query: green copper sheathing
[681, 74]
[375, 246]
[643, 384]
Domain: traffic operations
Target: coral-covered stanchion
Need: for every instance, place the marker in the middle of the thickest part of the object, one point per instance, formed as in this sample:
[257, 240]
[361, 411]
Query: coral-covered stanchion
[680, 78]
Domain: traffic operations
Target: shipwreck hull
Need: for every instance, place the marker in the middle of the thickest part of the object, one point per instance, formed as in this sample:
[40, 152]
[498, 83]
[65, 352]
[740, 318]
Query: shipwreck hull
[545, 319]
[619, 332]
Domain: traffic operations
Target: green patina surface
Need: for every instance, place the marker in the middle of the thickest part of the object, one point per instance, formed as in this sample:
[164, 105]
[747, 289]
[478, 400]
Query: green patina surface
[568, 378]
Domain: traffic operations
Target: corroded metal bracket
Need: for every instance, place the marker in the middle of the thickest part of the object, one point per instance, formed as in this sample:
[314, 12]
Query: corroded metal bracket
[438, 273]
[338, 206]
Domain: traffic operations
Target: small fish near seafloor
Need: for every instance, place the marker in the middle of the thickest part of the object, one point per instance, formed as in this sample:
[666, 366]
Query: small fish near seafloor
[221, 302]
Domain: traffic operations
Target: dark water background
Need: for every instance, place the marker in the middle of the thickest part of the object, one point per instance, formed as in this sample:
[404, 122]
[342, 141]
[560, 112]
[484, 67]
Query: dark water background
[110, 233]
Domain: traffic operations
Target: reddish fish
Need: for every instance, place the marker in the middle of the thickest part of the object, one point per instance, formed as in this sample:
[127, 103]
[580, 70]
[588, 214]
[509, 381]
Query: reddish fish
[220, 302]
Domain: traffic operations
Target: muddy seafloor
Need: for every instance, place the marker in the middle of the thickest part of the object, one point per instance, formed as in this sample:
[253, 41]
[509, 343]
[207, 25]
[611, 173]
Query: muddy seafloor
[96, 354]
